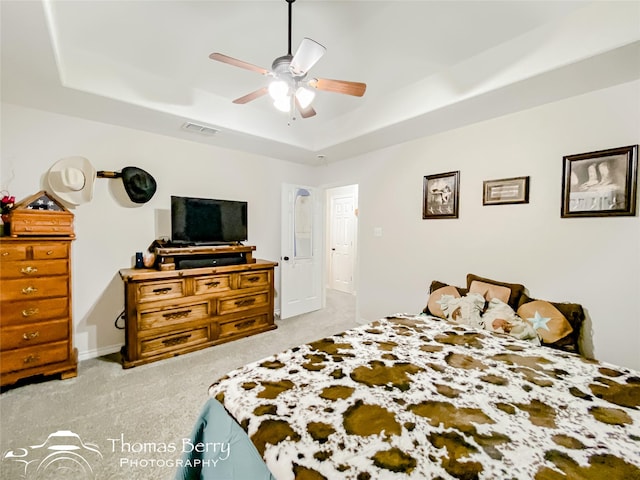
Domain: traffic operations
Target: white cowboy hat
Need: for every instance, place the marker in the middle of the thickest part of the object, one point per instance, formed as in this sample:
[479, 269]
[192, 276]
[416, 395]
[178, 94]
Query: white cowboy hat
[71, 180]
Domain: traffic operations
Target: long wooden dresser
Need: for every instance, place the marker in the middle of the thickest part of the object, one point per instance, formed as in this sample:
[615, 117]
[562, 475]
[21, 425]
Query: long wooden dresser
[35, 308]
[171, 312]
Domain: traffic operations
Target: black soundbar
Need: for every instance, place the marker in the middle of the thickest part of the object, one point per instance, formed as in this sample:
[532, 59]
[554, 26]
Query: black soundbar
[201, 261]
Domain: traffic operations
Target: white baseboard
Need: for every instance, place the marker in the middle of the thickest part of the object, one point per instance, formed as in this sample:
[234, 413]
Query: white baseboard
[99, 352]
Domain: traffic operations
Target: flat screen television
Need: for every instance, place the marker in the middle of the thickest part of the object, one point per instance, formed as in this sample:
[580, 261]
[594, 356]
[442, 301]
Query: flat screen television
[207, 221]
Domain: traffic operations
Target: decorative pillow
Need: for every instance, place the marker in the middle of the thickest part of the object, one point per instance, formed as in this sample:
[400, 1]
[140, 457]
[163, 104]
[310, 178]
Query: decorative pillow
[546, 319]
[516, 289]
[434, 306]
[490, 291]
[497, 310]
[463, 309]
[436, 285]
[574, 313]
[500, 317]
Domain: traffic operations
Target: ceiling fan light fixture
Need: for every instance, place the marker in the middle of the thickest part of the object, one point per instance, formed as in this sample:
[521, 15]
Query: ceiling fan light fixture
[305, 96]
[308, 53]
[283, 103]
[278, 89]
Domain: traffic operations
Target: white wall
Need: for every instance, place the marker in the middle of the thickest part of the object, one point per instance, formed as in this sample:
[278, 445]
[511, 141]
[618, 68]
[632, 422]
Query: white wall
[111, 228]
[592, 261]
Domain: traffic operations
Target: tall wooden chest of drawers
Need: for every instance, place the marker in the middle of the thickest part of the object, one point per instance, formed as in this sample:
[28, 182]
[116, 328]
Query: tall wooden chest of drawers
[172, 312]
[35, 308]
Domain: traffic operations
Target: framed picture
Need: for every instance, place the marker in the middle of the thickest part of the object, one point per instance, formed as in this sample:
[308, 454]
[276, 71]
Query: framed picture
[599, 184]
[440, 195]
[505, 190]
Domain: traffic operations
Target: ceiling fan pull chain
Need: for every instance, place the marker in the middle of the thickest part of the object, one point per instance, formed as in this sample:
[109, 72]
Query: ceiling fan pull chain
[292, 110]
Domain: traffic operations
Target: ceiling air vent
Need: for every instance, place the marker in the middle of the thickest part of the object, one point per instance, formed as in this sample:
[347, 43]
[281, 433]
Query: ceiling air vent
[201, 129]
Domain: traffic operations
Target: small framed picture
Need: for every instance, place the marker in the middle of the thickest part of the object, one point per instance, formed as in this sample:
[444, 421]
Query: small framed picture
[440, 195]
[600, 184]
[505, 190]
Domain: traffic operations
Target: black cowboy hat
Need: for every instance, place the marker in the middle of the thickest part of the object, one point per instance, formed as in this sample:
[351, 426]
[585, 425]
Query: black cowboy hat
[139, 185]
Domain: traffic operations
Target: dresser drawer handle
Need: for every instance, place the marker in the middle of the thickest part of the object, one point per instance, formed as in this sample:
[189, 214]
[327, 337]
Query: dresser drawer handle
[29, 270]
[245, 301]
[212, 284]
[244, 324]
[30, 311]
[170, 342]
[31, 335]
[4, 254]
[174, 315]
[49, 252]
[253, 279]
[29, 290]
[161, 291]
[32, 358]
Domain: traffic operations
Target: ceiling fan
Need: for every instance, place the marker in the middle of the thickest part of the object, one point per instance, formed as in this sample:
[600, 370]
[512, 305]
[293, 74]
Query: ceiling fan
[290, 87]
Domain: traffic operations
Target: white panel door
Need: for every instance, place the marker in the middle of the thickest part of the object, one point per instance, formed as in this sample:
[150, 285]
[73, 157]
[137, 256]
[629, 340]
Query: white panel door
[301, 250]
[342, 240]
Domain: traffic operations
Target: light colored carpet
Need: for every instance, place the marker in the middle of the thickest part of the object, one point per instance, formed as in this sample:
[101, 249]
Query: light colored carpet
[132, 415]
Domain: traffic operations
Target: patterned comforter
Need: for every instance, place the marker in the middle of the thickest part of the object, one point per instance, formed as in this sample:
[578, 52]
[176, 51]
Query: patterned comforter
[418, 397]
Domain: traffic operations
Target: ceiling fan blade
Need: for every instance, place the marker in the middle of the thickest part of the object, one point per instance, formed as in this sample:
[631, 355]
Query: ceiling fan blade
[251, 96]
[237, 63]
[308, 53]
[305, 112]
[356, 89]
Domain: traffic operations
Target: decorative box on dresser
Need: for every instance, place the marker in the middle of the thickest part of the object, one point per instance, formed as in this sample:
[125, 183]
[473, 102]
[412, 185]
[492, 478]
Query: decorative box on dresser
[35, 308]
[171, 312]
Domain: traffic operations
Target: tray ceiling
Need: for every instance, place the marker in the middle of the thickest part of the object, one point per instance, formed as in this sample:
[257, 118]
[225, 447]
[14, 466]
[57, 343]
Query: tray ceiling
[429, 65]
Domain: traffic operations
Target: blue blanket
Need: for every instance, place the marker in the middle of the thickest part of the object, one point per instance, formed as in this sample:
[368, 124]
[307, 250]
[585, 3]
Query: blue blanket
[220, 450]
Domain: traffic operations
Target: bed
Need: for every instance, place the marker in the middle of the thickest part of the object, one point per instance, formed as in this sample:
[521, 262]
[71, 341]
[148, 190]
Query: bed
[422, 397]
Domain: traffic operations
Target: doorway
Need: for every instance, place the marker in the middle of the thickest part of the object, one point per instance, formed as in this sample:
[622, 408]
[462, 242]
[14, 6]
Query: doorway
[342, 231]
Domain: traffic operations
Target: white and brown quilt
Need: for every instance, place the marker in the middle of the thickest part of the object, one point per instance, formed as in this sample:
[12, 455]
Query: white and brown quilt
[421, 398]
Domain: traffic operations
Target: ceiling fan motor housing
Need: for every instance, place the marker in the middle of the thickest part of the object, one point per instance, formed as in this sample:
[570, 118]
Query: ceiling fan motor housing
[281, 71]
[281, 64]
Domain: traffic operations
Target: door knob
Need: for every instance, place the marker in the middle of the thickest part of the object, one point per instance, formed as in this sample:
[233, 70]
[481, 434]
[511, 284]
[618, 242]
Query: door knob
[285, 259]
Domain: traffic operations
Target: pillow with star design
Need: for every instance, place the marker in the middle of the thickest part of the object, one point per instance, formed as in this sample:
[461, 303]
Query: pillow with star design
[550, 324]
